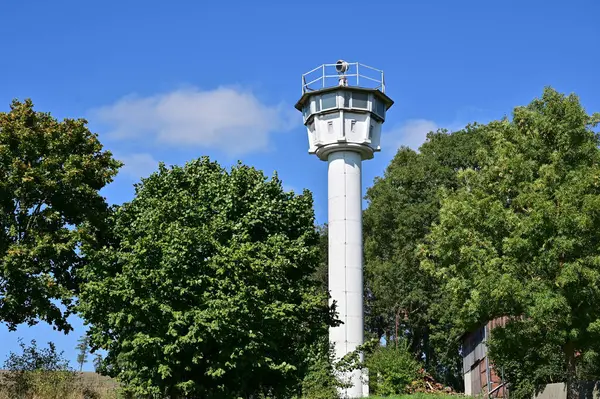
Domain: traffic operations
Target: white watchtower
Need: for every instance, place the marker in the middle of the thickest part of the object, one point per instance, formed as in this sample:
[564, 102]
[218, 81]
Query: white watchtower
[344, 122]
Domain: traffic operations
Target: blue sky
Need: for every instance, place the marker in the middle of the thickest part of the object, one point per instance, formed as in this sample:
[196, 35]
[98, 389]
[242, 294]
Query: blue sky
[173, 80]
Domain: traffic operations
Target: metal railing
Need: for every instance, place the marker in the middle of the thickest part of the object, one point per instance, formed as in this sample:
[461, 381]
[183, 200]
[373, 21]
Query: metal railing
[358, 75]
[503, 385]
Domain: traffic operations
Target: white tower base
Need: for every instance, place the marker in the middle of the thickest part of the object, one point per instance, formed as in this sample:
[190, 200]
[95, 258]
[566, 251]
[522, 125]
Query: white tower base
[345, 259]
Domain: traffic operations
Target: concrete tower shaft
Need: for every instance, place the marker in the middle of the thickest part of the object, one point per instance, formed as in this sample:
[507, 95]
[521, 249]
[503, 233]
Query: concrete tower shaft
[345, 256]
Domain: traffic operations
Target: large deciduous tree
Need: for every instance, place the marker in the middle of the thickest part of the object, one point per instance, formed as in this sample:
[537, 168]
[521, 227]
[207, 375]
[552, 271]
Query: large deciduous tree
[207, 290]
[51, 173]
[521, 238]
[403, 300]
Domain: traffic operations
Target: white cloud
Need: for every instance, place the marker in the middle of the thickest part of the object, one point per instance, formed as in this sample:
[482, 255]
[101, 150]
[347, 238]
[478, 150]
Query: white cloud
[411, 133]
[138, 165]
[229, 119]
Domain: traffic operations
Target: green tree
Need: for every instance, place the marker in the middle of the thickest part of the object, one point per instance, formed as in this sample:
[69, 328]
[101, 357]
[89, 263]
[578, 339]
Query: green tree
[207, 290]
[83, 346]
[403, 300]
[520, 238]
[97, 362]
[51, 173]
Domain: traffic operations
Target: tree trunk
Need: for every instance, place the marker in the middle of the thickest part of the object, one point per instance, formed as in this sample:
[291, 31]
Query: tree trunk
[571, 377]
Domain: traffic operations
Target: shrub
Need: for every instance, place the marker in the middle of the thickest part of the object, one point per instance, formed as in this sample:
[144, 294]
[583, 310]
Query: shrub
[320, 381]
[43, 373]
[391, 370]
[37, 373]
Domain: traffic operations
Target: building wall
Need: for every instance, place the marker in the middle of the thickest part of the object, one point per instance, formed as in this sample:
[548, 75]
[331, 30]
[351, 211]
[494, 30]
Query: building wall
[473, 349]
[588, 390]
[475, 361]
[475, 373]
[468, 388]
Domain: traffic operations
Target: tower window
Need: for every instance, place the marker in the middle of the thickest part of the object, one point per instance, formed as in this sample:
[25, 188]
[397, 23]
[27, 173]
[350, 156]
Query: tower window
[360, 100]
[328, 100]
[379, 107]
[307, 110]
[346, 96]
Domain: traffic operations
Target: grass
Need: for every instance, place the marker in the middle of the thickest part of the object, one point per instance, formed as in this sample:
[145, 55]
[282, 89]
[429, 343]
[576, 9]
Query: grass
[45, 387]
[57, 385]
[416, 396]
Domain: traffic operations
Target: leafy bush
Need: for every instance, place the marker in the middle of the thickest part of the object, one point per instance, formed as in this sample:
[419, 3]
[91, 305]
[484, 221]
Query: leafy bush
[391, 370]
[419, 396]
[38, 373]
[43, 373]
[320, 381]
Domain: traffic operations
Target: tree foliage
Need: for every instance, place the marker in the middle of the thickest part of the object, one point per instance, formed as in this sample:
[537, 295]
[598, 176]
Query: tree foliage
[207, 289]
[83, 347]
[51, 173]
[97, 361]
[402, 300]
[392, 369]
[321, 380]
[33, 358]
[520, 237]
[322, 272]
